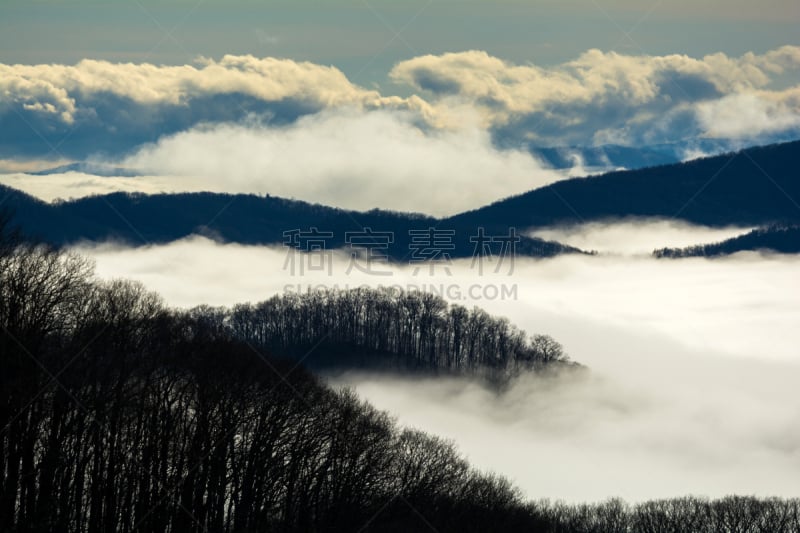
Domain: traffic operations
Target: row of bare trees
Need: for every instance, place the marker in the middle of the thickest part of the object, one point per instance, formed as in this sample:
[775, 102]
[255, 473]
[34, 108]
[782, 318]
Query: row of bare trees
[389, 327]
[732, 514]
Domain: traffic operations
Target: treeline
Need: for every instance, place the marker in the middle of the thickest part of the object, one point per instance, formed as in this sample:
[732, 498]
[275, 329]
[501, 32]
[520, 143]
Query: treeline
[389, 328]
[732, 514]
[779, 238]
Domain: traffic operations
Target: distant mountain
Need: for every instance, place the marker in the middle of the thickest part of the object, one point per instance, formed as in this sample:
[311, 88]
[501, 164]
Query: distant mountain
[628, 157]
[89, 168]
[776, 238]
[757, 186]
[138, 219]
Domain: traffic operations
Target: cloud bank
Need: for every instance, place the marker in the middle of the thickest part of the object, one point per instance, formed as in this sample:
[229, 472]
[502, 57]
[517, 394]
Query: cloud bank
[101, 106]
[743, 306]
[63, 91]
[637, 236]
[349, 159]
[607, 97]
[698, 428]
[598, 98]
[693, 364]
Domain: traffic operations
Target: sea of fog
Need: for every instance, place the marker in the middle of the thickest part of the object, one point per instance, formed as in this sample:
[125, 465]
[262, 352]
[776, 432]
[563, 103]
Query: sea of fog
[694, 362]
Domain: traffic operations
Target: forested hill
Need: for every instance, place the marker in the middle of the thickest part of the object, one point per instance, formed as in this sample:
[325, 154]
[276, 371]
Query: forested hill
[757, 186]
[776, 238]
[138, 219]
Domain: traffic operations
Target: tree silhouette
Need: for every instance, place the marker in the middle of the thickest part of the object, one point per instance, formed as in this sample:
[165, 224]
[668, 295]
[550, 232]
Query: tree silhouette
[120, 414]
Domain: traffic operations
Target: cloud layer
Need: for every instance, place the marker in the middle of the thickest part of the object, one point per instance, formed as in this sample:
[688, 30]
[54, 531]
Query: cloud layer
[699, 428]
[607, 97]
[693, 364]
[349, 159]
[699, 304]
[60, 90]
[119, 105]
[637, 236]
[597, 98]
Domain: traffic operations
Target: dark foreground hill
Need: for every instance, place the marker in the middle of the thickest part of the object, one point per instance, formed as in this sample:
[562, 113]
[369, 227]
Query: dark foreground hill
[784, 239]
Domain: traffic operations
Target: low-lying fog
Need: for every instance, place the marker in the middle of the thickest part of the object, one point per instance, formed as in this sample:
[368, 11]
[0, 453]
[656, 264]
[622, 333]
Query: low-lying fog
[694, 363]
[638, 237]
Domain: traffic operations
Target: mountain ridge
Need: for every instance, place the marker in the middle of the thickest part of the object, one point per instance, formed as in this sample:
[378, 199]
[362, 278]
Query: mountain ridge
[755, 186]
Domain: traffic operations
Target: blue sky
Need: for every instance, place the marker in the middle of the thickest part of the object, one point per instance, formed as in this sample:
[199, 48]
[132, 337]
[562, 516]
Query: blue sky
[361, 38]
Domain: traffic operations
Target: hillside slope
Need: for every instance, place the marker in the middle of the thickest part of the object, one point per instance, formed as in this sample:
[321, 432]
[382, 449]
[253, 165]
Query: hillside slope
[757, 186]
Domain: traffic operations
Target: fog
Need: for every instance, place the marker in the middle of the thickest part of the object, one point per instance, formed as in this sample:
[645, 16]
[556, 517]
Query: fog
[693, 363]
[638, 236]
[72, 185]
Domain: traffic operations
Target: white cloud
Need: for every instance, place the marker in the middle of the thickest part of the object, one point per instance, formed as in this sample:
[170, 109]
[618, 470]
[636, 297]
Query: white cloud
[618, 96]
[599, 97]
[348, 159]
[751, 114]
[595, 76]
[55, 89]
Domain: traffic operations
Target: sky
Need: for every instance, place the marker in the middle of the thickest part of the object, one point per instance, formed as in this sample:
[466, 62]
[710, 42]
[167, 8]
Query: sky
[362, 36]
